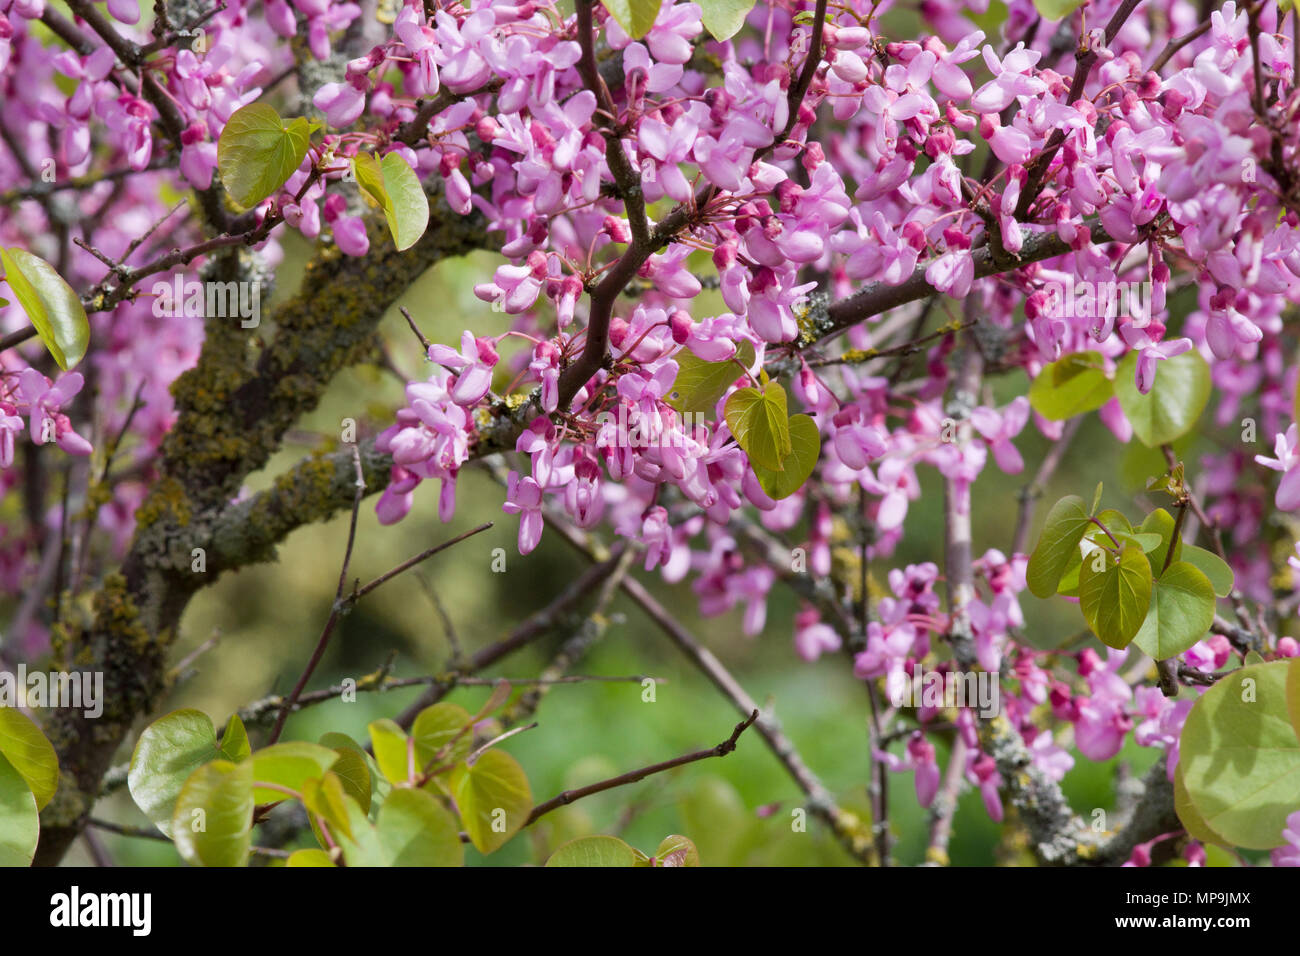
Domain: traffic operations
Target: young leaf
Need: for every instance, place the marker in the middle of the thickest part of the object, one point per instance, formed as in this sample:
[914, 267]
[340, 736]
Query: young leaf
[1177, 397]
[353, 774]
[30, 754]
[1059, 542]
[392, 753]
[760, 423]
[415, 830]
[1212, 566]
[493, 797]
[51, 306]
[437, 726]
[636, 17]
[1181, 612]
[724, 18]
[288, 765]
[234, 742]
[699, 384]
[20, 821]
[1161, 522]
[213, 821]
[1096, 499]
[677, 850]
[395, 188]
[1070, 386]
[168, 751]
[1240, 756]
[326, 799]
[258, 152]
[1115, 599]
[805, 447]
[593, 851]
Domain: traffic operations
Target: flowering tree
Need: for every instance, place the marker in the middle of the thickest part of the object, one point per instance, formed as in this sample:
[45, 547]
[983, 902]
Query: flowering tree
[726, 234]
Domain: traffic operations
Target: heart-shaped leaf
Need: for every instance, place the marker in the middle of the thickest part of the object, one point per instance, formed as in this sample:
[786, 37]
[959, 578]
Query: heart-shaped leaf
[258, 152]
[1180, 614]
[1115, 594]
[805, 447]
[1057, 545]
[493, 797]
[287, 765]
[760, 423]
[168, 751]
[213, 821]
[699, 384]
[1070, 386]
[395, 188]
[416, 830]
[1177, 397]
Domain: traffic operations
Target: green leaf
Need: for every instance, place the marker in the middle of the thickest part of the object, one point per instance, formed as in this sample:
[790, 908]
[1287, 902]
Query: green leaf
[760, 423]
[393, 754]
[234, 742]
[1240, 756]
[213, 821]
[1161, 522]
[354, 775]
[325, 798]
[1070, 386]
[1189, 816]
[416, 830]
[1212, 566]
[1117, 524]
[1147, 542]
[258, 152]
[1057, 9]
[393, 185]
[20, 822]
[1293, 694]
[30, 754]
[1177, 397]
[636, 17]
[288, 765]
[1115, 599]
[52, 307]
[805, 448]
[1058, 543]
[493, 797]
[362, 848]
[593, 851]
[1096, 499]
[724, 18]
[437, 726]
[309, 858]
[677, 850]
[168, 751]
[699, 384]
[1181, 612]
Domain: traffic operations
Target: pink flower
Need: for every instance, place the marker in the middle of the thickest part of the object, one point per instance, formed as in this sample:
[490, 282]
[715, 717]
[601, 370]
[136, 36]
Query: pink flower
[524, 498]
[476, 359]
